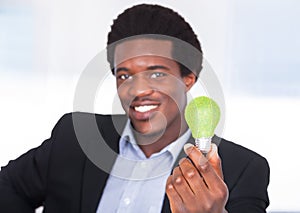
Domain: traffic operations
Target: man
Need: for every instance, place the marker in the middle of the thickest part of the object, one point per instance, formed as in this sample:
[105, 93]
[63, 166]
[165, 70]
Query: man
[156, 58]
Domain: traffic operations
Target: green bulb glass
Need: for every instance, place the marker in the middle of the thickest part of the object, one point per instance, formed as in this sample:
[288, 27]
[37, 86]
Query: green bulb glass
[202, 115]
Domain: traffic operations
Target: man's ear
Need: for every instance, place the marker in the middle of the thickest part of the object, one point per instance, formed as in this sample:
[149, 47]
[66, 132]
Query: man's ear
[189, 80]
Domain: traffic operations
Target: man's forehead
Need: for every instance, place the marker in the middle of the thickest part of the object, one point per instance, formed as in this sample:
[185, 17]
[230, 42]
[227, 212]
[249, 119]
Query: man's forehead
[142, 47]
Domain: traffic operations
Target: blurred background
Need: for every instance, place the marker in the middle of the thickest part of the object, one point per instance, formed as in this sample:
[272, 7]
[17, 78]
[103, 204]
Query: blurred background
[252, 45]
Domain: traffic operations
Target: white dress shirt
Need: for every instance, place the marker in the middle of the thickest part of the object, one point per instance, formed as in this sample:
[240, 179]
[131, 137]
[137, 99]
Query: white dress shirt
[137, 183]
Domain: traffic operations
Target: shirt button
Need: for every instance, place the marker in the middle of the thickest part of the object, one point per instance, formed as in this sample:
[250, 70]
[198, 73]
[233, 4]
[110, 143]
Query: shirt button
[143, 164]
[127, 201]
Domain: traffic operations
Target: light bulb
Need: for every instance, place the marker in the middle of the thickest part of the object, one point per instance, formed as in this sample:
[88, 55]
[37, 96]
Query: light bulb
[202, 115]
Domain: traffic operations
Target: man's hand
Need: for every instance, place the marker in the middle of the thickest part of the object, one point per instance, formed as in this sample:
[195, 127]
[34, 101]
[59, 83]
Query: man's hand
[197, 185]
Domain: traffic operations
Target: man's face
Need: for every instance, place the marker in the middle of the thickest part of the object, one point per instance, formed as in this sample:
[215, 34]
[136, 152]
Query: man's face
[151, 88]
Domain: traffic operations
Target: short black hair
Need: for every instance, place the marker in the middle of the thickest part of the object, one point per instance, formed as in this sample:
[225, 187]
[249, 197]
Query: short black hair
[146, 19]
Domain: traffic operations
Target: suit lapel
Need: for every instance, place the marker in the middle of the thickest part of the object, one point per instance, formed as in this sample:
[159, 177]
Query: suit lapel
[94, 179]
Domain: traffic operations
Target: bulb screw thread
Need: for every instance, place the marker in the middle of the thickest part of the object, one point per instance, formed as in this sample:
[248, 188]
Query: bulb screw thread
[203, 144]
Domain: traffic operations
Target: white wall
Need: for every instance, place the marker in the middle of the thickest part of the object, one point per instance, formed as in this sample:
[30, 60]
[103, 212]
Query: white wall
[253, 47]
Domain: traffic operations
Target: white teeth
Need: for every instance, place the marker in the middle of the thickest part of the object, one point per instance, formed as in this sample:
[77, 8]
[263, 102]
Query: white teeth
[145, 108]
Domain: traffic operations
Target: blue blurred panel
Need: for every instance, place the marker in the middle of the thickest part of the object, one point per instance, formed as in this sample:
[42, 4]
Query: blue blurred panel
[16, 40]
[266, 48]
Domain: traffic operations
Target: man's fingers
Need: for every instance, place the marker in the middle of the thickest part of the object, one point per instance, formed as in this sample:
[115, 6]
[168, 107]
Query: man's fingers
[192, 176]
[212, 174]
[212, 157]
[181, 184]
[174, 198]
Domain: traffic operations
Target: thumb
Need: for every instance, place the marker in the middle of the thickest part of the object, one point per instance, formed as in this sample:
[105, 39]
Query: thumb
[215, 160]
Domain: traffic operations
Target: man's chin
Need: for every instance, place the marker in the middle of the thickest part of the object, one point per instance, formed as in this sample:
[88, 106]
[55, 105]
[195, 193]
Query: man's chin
[150, 131]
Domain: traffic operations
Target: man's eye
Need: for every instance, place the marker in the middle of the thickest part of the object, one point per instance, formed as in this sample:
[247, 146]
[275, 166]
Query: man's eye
[124, 76]
[157, 75]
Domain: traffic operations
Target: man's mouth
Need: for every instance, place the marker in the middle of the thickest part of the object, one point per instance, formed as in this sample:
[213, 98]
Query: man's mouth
[145, 108]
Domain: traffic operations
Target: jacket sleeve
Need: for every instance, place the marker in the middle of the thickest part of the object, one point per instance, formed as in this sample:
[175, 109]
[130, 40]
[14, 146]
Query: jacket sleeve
[23, 181]
[250, 195]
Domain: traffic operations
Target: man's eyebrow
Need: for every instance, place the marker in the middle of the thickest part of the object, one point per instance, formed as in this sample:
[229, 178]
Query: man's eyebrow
[122, 69]
[155, 67]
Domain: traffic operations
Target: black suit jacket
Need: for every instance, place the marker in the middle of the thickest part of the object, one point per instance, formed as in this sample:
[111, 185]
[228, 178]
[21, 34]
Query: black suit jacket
[59, 176]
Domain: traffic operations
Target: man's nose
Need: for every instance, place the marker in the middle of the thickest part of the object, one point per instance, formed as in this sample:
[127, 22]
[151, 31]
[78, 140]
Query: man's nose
[140, 86]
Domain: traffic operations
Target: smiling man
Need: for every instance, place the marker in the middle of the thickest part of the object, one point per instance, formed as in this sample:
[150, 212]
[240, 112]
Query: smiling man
[140, 166]
[152, 91]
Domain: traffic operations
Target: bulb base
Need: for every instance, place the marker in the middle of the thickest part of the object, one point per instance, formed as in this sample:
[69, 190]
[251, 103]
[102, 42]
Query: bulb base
[203, 144]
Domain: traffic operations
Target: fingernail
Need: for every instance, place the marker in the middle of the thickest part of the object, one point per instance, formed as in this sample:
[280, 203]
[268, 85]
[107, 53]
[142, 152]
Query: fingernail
[188, 147]
[213, 151]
